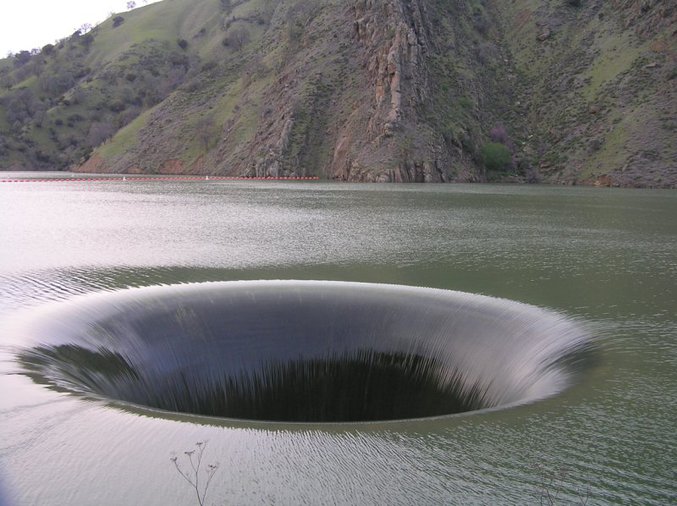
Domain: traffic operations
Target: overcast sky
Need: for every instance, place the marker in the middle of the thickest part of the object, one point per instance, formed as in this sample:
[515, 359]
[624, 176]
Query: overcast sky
[27, 24]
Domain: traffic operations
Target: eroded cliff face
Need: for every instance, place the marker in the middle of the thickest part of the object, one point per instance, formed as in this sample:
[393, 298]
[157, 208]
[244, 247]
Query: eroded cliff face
[420, 119]
[408, 78]
[359, 117]
[393, 41]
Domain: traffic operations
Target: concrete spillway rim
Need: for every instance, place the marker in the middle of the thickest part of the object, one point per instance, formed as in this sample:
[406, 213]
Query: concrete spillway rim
[186, 288]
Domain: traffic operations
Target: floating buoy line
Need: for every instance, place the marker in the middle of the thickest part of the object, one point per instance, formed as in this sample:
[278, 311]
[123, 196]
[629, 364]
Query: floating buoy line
[126, 179]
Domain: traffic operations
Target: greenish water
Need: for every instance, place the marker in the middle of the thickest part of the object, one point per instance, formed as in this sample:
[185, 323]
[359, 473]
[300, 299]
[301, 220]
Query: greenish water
[604, 258]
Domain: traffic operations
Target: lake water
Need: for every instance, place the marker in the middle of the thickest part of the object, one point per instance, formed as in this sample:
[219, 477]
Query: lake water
[605, 259]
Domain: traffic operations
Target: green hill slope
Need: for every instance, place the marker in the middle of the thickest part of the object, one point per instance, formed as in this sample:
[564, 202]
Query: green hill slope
[597, 81]
[370, 90]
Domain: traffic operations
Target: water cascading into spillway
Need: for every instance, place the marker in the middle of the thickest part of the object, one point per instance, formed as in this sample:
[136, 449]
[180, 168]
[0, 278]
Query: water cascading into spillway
[304, 351]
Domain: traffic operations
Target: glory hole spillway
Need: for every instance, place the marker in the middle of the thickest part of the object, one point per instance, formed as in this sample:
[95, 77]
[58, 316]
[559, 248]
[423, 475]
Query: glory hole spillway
[302, 351]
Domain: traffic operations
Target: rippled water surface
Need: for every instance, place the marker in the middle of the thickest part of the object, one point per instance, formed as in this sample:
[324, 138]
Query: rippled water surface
[603, 259]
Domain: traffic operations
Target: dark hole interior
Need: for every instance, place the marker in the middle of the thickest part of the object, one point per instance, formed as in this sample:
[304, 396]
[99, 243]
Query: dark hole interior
[364, 385]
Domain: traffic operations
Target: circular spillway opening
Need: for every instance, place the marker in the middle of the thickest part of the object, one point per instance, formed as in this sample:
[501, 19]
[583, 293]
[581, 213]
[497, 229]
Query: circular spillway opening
[304, 351]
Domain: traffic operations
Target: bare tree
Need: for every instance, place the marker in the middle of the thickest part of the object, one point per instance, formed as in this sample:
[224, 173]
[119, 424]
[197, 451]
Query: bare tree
[238, 37]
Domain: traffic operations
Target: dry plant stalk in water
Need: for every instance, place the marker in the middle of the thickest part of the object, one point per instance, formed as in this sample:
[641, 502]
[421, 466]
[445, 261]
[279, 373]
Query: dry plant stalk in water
[198, 480]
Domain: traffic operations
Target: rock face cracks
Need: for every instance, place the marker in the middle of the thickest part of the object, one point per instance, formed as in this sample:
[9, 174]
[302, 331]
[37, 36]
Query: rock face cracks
[367, 101]
[393, 42]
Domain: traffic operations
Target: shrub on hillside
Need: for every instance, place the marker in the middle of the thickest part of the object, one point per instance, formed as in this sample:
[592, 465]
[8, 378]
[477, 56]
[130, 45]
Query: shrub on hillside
[87, 39]
[496, 156]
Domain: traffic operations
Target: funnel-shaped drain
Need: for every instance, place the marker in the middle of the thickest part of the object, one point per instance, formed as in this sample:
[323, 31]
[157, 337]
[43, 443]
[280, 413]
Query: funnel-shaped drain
[304, 351]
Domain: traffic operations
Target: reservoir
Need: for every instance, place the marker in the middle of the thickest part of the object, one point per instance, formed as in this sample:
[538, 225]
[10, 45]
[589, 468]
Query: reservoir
[529, 334]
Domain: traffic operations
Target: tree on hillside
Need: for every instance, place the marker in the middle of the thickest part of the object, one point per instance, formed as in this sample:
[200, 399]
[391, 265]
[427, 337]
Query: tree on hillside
[238, 37]
[57, 82]
[21, 58]
[204, 130]
[99, 132]
[21, 106]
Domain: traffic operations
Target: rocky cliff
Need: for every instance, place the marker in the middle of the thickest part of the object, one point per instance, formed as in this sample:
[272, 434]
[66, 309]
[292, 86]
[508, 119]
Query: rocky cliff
[565, 91]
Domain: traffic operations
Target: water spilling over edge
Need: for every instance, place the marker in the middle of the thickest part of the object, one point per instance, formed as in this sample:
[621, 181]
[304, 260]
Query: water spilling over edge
[307, 351]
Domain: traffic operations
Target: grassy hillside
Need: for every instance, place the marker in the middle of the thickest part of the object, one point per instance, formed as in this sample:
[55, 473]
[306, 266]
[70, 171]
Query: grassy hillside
[93, 90]
[597, 86]
[566, 91]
